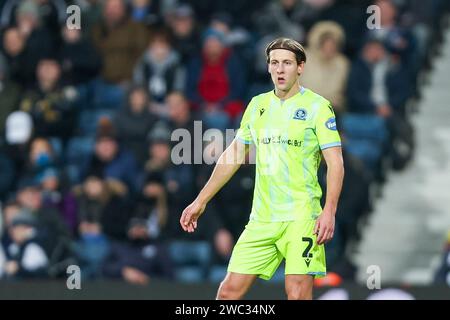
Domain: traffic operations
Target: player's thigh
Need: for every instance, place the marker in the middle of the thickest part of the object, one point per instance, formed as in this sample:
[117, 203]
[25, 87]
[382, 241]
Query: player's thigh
[302, 253]
[255, 252]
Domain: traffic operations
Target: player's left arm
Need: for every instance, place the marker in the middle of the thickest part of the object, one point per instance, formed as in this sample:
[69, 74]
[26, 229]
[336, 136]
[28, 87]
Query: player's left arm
[335, 175]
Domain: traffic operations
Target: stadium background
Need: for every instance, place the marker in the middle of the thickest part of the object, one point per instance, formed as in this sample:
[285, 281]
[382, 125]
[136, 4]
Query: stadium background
[86, 117]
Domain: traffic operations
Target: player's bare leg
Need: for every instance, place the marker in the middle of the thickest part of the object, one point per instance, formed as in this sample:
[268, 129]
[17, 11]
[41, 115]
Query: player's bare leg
[299, 286]
[235, 286]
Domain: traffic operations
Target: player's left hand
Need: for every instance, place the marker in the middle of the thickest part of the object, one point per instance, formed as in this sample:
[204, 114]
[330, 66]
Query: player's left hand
[324, 228]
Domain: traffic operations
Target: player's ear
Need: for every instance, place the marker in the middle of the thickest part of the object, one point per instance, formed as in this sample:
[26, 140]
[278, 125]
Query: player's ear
[300, 67]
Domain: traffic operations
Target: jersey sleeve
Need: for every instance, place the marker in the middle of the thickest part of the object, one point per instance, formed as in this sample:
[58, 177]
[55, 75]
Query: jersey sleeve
[325, 127]
[244, 133]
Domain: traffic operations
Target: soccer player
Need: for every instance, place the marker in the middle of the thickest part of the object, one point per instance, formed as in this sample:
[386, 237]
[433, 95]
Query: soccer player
[291, 127]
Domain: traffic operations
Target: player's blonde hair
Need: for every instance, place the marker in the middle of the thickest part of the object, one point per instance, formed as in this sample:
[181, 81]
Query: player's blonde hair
[287, 44]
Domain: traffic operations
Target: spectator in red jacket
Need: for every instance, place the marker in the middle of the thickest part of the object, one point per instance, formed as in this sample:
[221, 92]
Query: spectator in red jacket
[216, 81]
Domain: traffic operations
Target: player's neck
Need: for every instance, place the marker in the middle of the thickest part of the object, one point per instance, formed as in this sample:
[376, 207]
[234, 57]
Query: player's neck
[284, 95]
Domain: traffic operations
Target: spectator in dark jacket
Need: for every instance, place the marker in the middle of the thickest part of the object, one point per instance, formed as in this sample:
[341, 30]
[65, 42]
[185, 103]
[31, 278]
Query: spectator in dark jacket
[396, 39]
[185, 33]
[79, 59]
[49, 103]
[39, 42]
[102, 216]
[52, 229]
[135, 121]
[113, 161]
[377, 84]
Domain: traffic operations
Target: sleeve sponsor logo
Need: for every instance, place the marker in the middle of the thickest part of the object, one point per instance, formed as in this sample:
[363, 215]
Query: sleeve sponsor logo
[331, 124]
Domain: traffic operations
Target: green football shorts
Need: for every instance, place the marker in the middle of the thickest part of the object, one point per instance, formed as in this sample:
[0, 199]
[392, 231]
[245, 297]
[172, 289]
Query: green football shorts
[263, 246]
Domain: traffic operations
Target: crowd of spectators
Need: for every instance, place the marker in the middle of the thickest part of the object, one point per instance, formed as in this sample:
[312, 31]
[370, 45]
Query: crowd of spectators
[86, 117]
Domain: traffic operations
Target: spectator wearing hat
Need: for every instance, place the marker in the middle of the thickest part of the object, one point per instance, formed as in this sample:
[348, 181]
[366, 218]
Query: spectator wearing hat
[56, 195]
[52, 229]
[26, 257]
[216, 81]
[236, 37]
[38, 41]
[135, 121]
[327, 69]
[160, 69]
[185, 32]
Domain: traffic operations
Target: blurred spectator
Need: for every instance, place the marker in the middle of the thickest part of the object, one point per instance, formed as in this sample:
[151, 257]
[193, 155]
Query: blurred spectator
[9, 210]
[146, 12]
[80, 61]
[7, 173]
[143, 255]
[327, 69]
[134, 122]
[18, 131]
[26, 258]
[112, 161]
[177, 180]
[339, 12]
[399, 41]
[48, 103]
[182, 23]
[40, 158]
[51, 12]
[236, 37]
[160, 70]
[91, 14]
[216, 81]
[282, 18]
[102, 215]
[56, 195]
[231, 203]
[38, 41]
[9, 94]
[182, 117]
[443, 273]
[120, 42]
[13, 47]
[377, 84]
[51, 227]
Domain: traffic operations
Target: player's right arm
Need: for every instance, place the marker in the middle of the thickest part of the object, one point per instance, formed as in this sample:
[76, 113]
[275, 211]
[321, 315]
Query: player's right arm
[227, 164]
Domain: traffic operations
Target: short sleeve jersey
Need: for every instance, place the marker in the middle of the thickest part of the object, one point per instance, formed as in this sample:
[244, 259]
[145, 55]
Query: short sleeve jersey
[289, 136]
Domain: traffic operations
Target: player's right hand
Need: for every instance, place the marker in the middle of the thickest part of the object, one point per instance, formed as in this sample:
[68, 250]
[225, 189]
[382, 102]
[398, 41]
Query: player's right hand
[190, 215]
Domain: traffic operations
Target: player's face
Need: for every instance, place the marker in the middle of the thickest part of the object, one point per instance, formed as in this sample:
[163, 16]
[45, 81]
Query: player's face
[284, 69]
